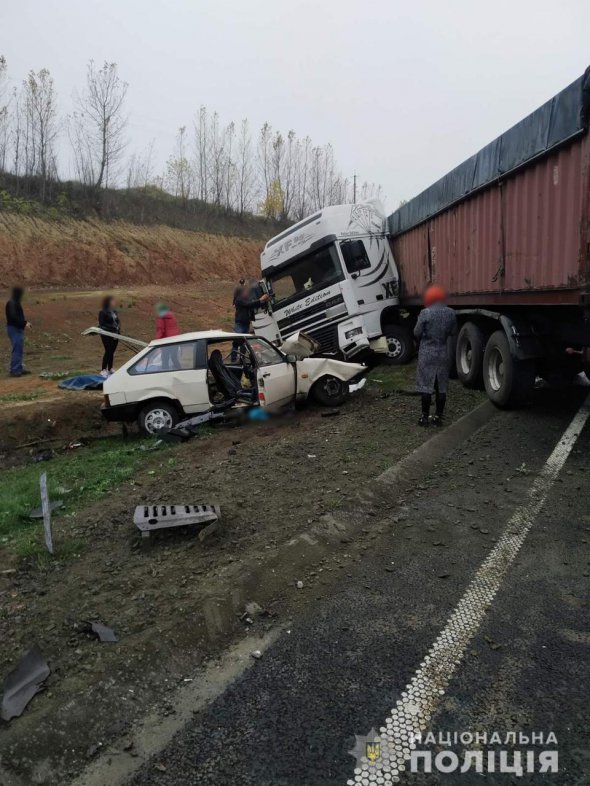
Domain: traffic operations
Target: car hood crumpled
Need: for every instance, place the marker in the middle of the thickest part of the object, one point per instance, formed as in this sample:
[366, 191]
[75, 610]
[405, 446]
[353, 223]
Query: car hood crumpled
[315, 368]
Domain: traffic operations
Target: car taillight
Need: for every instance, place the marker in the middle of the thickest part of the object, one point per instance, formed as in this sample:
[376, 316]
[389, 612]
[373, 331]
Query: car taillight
[261, 398]
[106, 401]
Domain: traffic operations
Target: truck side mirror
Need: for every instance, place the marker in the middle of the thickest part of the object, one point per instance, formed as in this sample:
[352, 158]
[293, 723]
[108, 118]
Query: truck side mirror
[291, 358]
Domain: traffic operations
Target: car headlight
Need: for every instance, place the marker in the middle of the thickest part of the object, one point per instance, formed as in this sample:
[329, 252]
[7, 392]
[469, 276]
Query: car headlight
[354, 332]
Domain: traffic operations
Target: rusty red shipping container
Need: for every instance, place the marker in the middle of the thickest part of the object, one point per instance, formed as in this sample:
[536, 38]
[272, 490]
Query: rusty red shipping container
[521, 240]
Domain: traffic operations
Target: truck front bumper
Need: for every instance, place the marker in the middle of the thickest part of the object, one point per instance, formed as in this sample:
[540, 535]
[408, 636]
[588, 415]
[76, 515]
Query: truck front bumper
[352, 337]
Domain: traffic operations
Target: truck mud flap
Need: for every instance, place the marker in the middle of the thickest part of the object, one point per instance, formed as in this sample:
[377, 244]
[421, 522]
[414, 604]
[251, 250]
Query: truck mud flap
[148, 518]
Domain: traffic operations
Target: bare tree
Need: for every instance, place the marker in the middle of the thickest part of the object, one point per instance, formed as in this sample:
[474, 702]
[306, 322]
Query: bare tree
[140, 170]
[40, 108]
[265, 160]
[97, 127]
[245, 170]
[4, 114]
[201, 147]
[179, 176]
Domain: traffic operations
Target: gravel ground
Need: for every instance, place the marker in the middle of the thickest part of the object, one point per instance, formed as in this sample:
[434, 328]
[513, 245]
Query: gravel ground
[177, 603]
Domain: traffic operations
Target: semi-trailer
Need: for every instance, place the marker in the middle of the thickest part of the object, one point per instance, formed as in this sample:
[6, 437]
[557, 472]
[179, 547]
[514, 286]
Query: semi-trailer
[506, 233]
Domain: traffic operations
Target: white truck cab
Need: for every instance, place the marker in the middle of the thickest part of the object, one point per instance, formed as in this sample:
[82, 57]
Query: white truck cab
[333, 276]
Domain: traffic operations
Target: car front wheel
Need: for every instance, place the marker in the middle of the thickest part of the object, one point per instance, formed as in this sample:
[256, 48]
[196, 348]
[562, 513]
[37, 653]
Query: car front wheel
[157, 417]
[330, 391]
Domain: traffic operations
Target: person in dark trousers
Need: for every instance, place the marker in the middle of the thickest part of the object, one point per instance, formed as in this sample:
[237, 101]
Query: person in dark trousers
[16, 324]
[108, 319]
[245, 306]
[436, 324]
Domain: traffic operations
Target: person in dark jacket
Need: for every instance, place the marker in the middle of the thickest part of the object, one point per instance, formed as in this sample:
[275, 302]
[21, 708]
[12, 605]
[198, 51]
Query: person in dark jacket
[238, 289]
[245, 305]
[436, 324]
[108, 319]
[16, 324]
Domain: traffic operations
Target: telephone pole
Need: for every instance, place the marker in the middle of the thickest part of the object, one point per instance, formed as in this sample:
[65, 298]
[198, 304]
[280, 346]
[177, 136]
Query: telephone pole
[354, 188]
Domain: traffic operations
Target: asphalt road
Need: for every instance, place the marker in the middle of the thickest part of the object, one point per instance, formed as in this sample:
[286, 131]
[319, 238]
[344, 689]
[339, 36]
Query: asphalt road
[511, 639]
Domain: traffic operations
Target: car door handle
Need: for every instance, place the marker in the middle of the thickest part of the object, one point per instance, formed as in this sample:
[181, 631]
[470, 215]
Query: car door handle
[267, 374]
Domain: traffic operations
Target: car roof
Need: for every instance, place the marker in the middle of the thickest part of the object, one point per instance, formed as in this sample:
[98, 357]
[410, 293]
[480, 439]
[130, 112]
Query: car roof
[220, 335]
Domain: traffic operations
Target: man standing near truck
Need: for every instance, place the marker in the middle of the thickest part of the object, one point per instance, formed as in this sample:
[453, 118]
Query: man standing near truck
[436, 324]
[245, 304]
[15, 327]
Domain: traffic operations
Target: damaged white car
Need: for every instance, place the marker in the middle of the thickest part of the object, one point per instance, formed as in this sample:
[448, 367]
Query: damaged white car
[175, 378]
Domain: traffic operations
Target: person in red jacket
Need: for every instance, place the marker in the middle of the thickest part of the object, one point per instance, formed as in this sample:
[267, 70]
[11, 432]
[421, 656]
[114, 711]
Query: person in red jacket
[166, 324]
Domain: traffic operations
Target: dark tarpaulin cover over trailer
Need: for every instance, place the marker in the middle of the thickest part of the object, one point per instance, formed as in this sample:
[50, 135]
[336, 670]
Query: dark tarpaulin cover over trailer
[547, 127]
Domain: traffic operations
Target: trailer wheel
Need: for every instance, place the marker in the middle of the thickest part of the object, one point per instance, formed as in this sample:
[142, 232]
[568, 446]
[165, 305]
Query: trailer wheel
[508, 381]
[157, 417]
[471, 343]
[330, 391]
[400, 345]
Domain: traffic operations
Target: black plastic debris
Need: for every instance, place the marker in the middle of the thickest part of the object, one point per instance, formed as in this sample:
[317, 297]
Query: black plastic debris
[37, 513]
[189, 428]
[23, 683]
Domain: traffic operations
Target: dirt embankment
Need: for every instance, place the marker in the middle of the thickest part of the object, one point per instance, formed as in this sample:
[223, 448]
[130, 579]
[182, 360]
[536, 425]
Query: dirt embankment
[90, 253]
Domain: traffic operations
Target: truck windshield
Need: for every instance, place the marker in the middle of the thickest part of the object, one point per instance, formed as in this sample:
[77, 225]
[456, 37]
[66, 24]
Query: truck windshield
[314, 271]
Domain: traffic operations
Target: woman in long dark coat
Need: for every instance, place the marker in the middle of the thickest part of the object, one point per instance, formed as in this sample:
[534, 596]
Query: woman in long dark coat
[436, 324]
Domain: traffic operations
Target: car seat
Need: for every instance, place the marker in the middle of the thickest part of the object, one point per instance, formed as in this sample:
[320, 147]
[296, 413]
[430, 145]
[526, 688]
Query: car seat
[227, 383]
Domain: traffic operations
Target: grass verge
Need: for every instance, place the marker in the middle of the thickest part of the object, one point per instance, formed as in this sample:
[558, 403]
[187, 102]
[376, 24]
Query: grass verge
[77, 477]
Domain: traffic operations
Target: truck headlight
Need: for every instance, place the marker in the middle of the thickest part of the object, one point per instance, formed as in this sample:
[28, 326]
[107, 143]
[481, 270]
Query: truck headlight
[354, 332]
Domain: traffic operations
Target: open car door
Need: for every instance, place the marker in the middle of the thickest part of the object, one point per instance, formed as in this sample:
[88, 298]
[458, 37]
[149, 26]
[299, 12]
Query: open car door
[276, 377]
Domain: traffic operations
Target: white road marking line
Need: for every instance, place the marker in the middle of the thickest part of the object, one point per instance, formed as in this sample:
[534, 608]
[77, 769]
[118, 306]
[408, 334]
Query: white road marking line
[421, 697]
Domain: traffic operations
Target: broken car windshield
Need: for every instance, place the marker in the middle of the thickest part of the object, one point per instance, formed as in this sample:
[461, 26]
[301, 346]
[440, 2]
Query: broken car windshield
[315, 271]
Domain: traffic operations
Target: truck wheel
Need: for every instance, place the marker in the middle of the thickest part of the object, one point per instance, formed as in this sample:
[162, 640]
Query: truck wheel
[330, 391]
[158, 416]
[400, 345]
[471, 344]
[508, 382]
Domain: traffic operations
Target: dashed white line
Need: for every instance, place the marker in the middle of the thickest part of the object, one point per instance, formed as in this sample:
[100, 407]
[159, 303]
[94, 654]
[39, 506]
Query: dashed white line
[421, 697]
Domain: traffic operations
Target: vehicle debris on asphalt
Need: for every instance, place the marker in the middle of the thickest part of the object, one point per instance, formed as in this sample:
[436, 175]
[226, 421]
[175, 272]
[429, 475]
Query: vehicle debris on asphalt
[23, 682]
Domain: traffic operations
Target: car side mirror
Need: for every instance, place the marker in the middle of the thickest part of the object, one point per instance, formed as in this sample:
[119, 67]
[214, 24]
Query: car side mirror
[291, 358]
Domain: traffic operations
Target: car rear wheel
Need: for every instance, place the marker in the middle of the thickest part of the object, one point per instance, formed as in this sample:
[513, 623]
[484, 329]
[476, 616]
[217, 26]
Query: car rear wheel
[157, 417]
[330, 391]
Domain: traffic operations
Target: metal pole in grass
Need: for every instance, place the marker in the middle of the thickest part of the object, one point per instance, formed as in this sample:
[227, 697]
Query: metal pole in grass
[46, 512]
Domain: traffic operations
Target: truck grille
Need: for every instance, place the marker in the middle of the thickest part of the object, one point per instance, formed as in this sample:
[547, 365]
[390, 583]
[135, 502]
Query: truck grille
[298, 320]
[327, 337]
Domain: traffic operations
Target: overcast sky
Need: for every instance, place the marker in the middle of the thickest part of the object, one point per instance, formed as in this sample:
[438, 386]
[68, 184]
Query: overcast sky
[403, 90]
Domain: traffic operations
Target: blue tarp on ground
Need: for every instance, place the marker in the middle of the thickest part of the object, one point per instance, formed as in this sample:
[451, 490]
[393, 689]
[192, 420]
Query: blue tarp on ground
[83, 382]
[546, 128]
